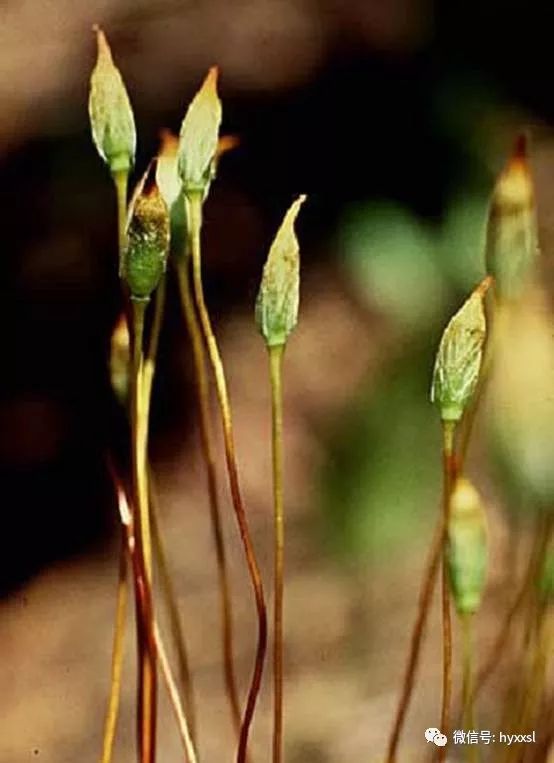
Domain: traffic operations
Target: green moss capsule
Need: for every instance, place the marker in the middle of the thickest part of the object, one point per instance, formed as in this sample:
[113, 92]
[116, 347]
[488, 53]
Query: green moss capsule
[512, 237]
[111, 115]
[278, 297]
[459, 356]
[467, 547]
[148, 234]
[198, 139]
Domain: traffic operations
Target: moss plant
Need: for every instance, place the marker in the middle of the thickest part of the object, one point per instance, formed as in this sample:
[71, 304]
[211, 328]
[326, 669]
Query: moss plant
[114, 135]
[276, 317]
[197, 157]
[113, 126]
[455, 377]
[170, 185]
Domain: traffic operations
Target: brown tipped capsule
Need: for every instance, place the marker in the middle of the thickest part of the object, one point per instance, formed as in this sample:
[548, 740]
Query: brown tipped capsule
[467, 547]
[459, 356]
[148, 232]
[111, 115]
[119, 359]
[277, 302]
[199, 136]
[512, 236]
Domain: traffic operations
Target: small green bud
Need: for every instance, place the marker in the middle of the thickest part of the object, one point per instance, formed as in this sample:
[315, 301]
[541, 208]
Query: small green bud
[111, 115]
[278, 297]
[198, 140]
[119, 360]
[145, 256]
[458, 360]
[466, 550]
[512, 238]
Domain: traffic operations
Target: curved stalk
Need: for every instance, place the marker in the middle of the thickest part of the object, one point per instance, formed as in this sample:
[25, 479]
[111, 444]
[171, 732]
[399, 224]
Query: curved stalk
[208, 452]
[195, 222]
[275, 366]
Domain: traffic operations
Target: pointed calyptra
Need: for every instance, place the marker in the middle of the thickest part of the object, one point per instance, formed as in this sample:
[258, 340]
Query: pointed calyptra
[458, 360]
[466, 550]
[512, 238]
[111, 115]
[199, 136]
[278, 297]
[145, 256]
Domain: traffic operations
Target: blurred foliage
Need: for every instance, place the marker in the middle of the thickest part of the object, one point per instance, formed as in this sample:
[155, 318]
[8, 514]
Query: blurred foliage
[380, 483]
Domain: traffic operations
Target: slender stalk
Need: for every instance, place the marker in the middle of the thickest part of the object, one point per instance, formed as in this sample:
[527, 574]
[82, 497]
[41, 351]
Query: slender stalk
[425, 597]
[168, 590]
[146, 700]
[195, 224]
[172, 607]
[275, 368]
[153, 343]
[449, 469]
[182, 723]
[468, 714]
[121, 181]
[208, 452]
[139, 427]
[118, 651]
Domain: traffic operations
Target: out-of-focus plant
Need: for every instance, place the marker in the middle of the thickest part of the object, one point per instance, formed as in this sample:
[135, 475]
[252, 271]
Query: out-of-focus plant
[466, 554]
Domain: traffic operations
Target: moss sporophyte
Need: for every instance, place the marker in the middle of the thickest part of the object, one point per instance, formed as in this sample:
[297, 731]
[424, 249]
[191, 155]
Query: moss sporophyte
[459, 356]
[199, 137]
[198, 146]
[278, 297]
[276, 316]
[148, 236]
[111, 115]
[512, 236]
